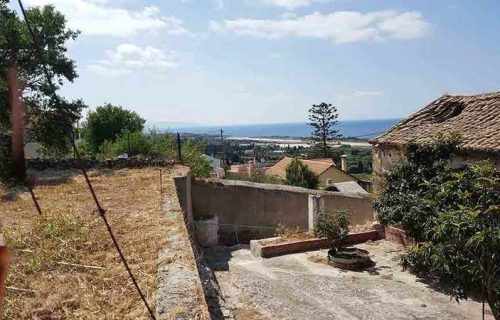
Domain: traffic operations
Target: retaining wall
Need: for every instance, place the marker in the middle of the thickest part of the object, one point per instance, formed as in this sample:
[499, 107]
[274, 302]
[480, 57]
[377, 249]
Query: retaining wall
[249, 210]
[181, 294]
[64, 164]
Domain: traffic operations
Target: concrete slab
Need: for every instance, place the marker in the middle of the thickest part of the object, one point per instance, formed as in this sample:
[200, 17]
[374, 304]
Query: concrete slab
[304, 286]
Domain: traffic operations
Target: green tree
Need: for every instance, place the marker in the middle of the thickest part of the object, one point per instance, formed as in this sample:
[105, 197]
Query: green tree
[192, 155]
[454, 214]
[462, 248]
[50, 116]
[133, 144]
[323, 120]
[107, 123]
[298, 174]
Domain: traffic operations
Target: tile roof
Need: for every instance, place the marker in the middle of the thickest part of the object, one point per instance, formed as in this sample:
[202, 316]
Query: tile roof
[349, 187]
[476, 118]
[318, 166]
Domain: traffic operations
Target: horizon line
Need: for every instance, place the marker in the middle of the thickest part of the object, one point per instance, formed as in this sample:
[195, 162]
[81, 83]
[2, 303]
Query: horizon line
[198, 124]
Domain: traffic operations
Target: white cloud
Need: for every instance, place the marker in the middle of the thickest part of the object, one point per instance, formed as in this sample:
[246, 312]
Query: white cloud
[339, 27]
[292, 4]
[127, 58]
[98, 17]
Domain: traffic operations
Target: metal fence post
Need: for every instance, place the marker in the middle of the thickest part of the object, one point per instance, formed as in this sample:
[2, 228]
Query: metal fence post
[179, 148]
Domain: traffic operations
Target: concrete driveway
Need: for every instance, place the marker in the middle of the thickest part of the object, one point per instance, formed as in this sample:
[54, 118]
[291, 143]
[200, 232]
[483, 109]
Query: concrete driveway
[303, 286]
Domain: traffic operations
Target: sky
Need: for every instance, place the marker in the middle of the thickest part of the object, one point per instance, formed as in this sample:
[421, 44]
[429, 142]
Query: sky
[267, 61]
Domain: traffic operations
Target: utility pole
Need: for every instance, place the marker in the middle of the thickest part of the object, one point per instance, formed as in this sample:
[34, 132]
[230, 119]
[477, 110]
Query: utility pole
[223, 147]
[18, 111]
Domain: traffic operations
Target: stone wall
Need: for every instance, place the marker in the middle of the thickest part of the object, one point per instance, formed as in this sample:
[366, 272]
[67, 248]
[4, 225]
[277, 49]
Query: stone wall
[181, 293]
[65, 164]
[385, 157]
[249, 210]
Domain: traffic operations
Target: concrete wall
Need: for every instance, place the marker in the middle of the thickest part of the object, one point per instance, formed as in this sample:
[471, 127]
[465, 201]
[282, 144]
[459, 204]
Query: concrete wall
[249, 210]
[252, 210]
[334, 174]
[359, 206]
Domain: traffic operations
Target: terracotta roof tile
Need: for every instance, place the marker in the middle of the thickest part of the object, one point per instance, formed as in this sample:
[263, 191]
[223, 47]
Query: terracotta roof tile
[318, 166]
[476, 118]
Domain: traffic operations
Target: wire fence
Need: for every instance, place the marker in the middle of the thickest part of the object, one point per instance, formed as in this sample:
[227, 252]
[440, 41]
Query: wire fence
[100, 209]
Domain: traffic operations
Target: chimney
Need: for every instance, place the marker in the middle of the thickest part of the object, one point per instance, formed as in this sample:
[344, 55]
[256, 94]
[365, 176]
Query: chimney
[343, 163]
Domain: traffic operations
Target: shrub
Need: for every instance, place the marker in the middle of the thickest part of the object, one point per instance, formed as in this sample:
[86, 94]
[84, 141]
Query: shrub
[6, 163]
[454, 214]
[193, 157]
[298, 174]
[412, 196]
[334, 226]
[107, 123]
[133, 144]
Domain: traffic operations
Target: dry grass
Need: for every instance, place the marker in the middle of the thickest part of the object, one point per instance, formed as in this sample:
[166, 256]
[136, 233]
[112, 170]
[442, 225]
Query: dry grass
[292, 234]
[65, 263]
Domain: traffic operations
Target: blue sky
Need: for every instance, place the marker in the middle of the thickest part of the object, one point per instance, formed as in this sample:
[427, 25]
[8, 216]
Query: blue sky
[267, 61]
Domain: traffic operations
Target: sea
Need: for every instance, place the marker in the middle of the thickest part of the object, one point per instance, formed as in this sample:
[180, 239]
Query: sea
[361, 129]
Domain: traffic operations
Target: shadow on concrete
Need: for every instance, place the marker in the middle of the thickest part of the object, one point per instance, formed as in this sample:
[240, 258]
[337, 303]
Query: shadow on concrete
[215, 259]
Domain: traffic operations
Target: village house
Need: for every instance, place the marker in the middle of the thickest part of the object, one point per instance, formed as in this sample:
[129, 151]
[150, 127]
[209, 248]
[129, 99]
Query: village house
[475, 118]
[326, 170]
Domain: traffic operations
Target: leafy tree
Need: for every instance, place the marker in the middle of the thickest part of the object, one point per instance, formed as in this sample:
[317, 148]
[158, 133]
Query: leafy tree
[50, 116]
[298, 174]
[323, 119]
[107, 123]
[462, 249]
[192, 156]
[134, 143]
[454, 214]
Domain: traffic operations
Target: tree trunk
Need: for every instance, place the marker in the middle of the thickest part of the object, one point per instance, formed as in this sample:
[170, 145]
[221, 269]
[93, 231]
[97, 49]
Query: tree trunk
[18, 111]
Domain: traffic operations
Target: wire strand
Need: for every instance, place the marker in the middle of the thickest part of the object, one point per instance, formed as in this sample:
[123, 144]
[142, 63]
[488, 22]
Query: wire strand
[101, 210]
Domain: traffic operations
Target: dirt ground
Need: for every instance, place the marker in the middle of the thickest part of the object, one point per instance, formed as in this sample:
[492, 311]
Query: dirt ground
[64, 264]
[304, 286]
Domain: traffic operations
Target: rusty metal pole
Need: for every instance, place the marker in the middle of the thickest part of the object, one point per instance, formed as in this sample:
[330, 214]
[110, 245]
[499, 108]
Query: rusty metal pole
[4, 263]
[18, 111]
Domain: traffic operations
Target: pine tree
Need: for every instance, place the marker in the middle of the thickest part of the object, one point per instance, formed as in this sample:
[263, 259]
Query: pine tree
[323, 120]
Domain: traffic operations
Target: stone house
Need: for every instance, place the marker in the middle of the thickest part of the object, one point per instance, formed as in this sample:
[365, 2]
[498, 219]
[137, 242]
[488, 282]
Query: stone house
[476, 118]
[326, 170]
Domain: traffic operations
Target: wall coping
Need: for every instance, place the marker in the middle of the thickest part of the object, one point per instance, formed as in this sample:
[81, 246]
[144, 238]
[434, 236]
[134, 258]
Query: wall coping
[280, 187]
[181, 294]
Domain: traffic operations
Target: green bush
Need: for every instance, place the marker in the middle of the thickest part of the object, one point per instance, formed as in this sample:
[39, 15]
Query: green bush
[412, 196]
[109, 122]
[135, 143]
[298, 174]
[192, 156]
[454, 214]
[334, 226]
[6, 163]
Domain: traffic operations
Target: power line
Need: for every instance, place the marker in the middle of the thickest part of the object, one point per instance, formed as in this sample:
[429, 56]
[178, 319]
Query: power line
[101, 210]
[369, 134]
